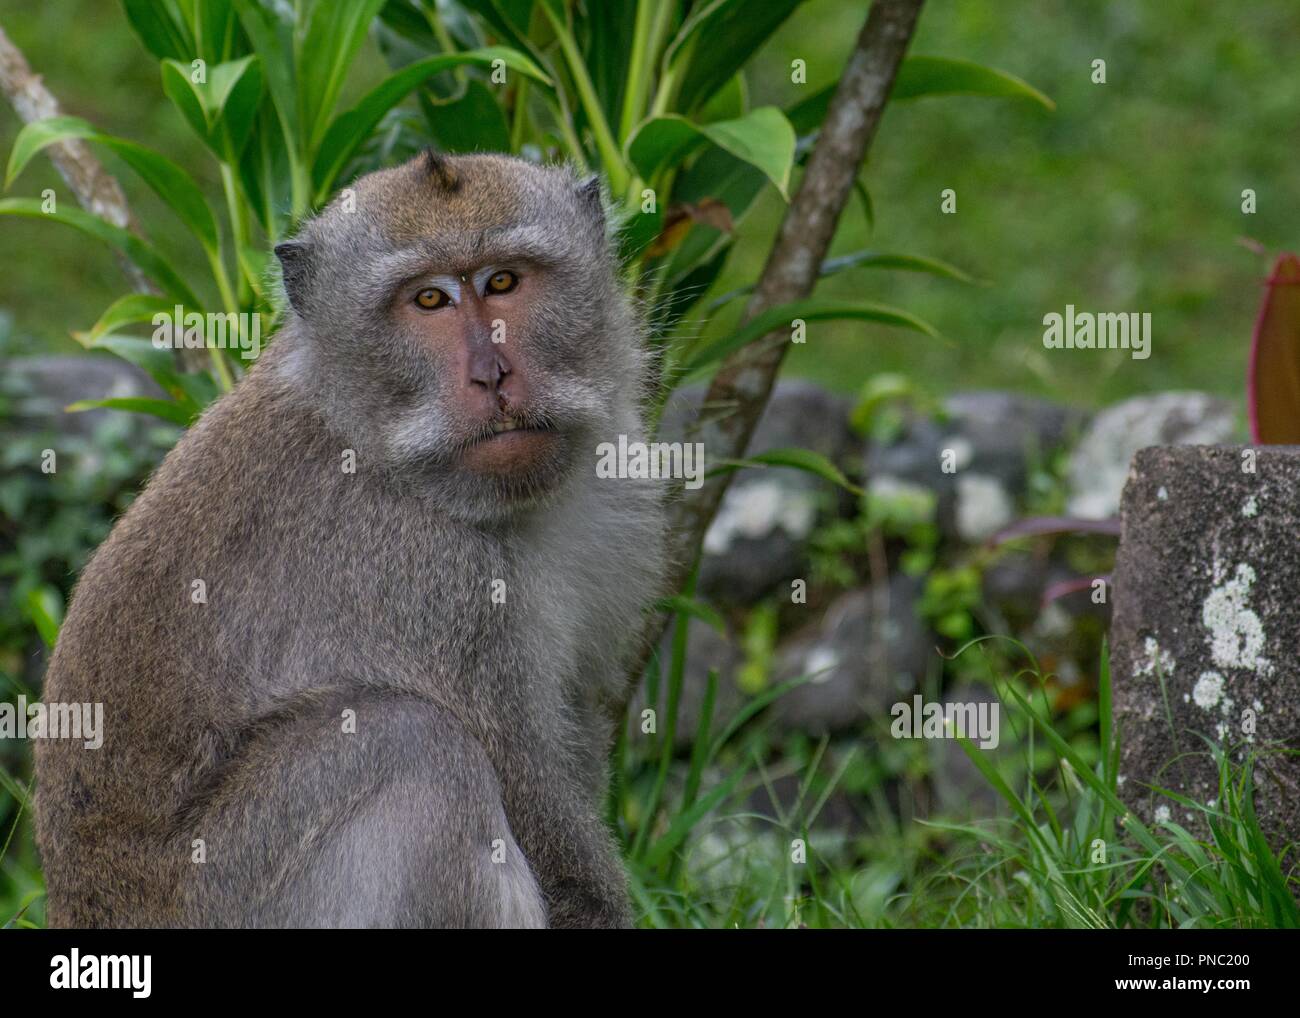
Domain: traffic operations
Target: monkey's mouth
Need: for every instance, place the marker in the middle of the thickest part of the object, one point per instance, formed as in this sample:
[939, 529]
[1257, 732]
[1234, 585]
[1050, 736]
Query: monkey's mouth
[511, 445]
[500, 427]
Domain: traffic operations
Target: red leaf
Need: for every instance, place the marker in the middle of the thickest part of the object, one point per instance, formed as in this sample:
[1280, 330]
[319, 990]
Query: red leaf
[1274, 393]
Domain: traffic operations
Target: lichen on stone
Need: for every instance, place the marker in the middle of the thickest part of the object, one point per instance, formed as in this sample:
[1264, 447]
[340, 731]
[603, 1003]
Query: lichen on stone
[1208, 690]
[1156, 661]
[1236, 632]
[757, 509]
[984, 506]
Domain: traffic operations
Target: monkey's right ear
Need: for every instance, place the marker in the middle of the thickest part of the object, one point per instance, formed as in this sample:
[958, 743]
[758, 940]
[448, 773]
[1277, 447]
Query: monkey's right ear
[294, 260]
[590, 196]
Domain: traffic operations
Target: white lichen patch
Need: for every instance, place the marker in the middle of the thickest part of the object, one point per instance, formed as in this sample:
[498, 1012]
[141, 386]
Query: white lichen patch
[983, 507]
[759, 508]
[1251, 507]
[1236, 633]
[1208, 690]
[1053, 621]
[1155, 661]
[821, 663]
[963, 452]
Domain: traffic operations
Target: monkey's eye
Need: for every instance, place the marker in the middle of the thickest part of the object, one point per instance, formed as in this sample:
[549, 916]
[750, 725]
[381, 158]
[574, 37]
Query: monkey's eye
[501, 282]
[432, 298]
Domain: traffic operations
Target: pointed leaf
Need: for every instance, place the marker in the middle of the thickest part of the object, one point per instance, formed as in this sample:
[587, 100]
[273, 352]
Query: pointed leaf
[799, 459]
[222, 110]
[921, 76]
[717, 40]
[681, 604]
[45, 608]
[762, 138]
[1274, 386]
[810, 310]
[331, 37]
[172, 184]
[164, 408]
[128, 310]
[350, 129]
[163, 35]
[869, 260]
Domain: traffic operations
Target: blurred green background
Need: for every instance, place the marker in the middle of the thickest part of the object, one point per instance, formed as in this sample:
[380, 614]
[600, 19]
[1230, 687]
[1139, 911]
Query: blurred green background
[1126, 198]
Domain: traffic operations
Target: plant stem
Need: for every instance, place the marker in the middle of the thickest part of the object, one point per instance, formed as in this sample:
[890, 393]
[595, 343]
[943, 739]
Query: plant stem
[518, 119]
[238, 232]
[610, 155]
[647, 40]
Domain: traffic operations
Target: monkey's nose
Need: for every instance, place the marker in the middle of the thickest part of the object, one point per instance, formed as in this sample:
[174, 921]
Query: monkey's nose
[488, 368]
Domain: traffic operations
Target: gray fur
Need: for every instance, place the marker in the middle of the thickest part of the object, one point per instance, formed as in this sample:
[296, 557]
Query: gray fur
[477, 724]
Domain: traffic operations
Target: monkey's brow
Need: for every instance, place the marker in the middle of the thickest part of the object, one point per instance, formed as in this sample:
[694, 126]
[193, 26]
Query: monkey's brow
[467, 250]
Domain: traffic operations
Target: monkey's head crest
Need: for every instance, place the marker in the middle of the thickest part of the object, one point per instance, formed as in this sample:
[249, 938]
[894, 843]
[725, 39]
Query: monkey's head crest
[439, 170]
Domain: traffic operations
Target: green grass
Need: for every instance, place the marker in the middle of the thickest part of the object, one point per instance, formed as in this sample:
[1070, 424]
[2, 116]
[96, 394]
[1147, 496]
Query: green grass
[1067, 851]
[710, 843]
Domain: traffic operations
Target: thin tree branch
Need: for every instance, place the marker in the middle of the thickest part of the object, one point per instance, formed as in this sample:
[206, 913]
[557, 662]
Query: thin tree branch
[97, 190]
[740, 390]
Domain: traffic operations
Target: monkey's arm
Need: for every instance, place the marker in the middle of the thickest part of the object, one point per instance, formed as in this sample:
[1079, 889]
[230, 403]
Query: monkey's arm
[557, 822]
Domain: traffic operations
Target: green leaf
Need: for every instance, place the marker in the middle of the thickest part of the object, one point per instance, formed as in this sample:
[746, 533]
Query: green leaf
[798, 459]
[869, 260]
[271, 41]
[192, 391]
[472, 121]
[925, 76]
[164, 408]
[683, 823]
[611, 27]
[331, 37]
[172, 184]
[264, 173]
[139, 251]
[350, 129]
[163, 34]
[683, 605]
[216, 30]
[716, 42]
[222, 110]
[45, 608]
[810, 310]
[762, 138]
[128, 310]
[921, 76]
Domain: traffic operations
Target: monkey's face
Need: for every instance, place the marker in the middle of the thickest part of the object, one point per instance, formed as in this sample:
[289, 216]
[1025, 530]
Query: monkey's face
[476, 337]
[491, 412]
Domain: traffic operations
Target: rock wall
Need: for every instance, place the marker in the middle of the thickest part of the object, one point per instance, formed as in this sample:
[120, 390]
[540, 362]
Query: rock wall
[1206, 627]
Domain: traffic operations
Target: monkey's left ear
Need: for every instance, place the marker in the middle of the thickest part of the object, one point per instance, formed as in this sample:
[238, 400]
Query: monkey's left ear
[294, 260]
[589, 195]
